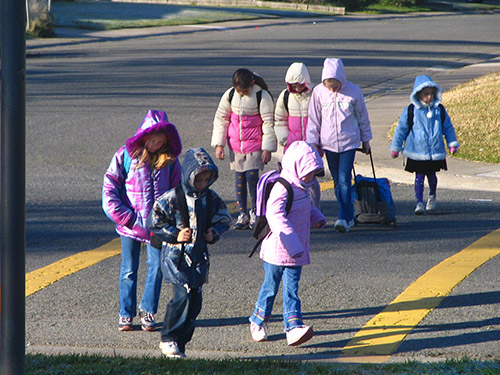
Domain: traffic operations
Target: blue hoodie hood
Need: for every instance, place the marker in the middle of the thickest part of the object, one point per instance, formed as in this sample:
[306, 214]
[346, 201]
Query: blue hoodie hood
[421, 82]
[196, 161]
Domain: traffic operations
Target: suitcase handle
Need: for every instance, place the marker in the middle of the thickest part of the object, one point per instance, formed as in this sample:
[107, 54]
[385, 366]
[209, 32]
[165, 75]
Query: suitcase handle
[371, 162]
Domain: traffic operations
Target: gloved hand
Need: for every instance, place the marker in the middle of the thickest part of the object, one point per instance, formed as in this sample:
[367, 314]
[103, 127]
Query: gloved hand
[453, 150]
[394, 154]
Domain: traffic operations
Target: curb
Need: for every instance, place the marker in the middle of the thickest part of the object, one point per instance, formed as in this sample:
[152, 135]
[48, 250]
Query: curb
[247, 4]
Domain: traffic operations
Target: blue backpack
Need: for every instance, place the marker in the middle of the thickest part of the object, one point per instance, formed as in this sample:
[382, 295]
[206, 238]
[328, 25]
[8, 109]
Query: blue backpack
[264, 186]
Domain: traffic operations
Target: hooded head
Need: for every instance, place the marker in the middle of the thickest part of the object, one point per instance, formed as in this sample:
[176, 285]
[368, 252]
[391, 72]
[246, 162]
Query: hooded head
[421, 82]
[156, 121]
[197, 161]
[333, 68]
[299, 160]
[297, 73]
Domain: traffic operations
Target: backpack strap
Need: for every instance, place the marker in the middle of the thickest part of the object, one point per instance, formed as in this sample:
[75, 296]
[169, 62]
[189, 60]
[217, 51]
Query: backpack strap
[231, 95]
[209, 208]
[289, 190]
[410, 111]
[443, 114]
[183, 210]
[286, 97]
[127, 160]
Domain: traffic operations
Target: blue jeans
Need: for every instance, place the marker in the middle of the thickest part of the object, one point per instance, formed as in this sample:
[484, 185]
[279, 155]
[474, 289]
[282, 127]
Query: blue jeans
[181, 314]
[340, 165]
[292, 312]
[128, 279]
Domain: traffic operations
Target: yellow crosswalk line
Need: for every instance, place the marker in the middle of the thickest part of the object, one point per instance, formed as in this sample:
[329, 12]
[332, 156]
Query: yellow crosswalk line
[383, 334]
[43, 277]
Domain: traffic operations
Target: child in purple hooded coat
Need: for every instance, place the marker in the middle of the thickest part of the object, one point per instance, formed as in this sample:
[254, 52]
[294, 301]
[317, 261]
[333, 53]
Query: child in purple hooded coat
[286, 248]
[139, 173]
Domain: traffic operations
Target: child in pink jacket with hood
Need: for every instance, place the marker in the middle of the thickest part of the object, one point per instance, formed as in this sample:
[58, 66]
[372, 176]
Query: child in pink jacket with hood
[338, 125]
[286, 248]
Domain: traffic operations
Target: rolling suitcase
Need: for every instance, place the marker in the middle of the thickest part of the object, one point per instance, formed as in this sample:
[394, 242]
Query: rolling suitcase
[372, 198]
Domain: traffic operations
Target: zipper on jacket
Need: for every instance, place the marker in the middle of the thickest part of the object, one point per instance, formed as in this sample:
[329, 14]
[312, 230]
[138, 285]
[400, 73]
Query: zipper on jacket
[240, 125]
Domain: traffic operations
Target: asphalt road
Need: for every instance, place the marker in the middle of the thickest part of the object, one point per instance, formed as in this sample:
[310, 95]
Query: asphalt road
[86, 95]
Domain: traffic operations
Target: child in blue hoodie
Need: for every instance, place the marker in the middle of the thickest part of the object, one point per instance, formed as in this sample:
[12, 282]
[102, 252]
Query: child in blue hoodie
[184, 252]
[422, 134]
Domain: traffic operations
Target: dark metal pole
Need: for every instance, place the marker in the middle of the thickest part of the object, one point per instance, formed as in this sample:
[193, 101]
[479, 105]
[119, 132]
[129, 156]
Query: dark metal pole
[13, 185]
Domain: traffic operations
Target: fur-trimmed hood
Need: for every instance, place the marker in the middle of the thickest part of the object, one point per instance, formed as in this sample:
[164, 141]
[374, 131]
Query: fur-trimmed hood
[421, 82]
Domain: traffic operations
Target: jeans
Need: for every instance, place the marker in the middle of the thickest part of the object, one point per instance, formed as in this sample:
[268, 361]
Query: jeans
[340, 165]
[128, 279]
[181, 314]
[292, 312]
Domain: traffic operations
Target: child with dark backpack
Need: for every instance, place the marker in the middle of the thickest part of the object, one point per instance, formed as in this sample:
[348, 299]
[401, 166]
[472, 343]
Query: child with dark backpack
[291, 113]
[244, 120]
[421, 128]
[139, 173]
[285, 249]
[184, 220]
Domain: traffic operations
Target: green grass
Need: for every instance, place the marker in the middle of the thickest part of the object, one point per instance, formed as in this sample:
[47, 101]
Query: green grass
[474, 108]
[38, 364]
[109, 15]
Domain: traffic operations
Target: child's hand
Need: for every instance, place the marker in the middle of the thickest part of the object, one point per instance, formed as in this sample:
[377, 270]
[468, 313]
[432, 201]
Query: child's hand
[320, 150]
[394, 154]
[219, 152]
[184, 235]
[320, 224]
[453, 150]
[209, 236]
[266, 156]
[366, 147]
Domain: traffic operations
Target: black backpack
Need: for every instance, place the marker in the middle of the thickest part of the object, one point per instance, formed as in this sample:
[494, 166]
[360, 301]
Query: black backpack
[264, 186]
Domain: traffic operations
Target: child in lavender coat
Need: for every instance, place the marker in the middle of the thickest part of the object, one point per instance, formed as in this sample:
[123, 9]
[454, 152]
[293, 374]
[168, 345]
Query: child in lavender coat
[286, 248]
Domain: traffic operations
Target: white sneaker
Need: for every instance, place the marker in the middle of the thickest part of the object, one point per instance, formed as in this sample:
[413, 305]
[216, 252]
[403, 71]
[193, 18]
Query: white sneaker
[299, 335]
[242, 222]
[342, 226]
[431, 203]
[147, 321]
[420, 209]
[253, 217]
[259, 333]
[125, 324]
[171, 349]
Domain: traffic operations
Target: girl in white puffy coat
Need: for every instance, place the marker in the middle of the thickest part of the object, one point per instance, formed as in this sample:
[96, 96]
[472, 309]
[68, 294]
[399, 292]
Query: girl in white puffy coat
[291, 114]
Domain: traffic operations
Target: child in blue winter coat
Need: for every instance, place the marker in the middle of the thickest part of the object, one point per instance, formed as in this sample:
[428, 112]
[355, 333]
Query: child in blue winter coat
[286, 248]
[184, 234]
[422, 134]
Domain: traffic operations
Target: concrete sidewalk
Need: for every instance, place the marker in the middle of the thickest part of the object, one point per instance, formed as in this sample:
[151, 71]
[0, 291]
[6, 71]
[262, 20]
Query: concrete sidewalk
[386, 108]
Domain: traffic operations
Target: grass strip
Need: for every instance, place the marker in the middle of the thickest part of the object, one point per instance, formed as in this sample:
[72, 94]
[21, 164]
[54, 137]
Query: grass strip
[39, 364]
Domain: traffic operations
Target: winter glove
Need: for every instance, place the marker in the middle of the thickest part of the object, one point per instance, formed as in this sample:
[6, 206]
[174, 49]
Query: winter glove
[394, 154]
[453, 150]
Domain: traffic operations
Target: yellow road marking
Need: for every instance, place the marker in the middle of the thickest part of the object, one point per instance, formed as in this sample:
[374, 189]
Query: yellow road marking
[43, 277]
[383, 334]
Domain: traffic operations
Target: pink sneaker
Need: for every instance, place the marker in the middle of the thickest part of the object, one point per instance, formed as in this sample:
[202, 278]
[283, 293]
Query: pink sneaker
[299, 335]
[259, 333]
